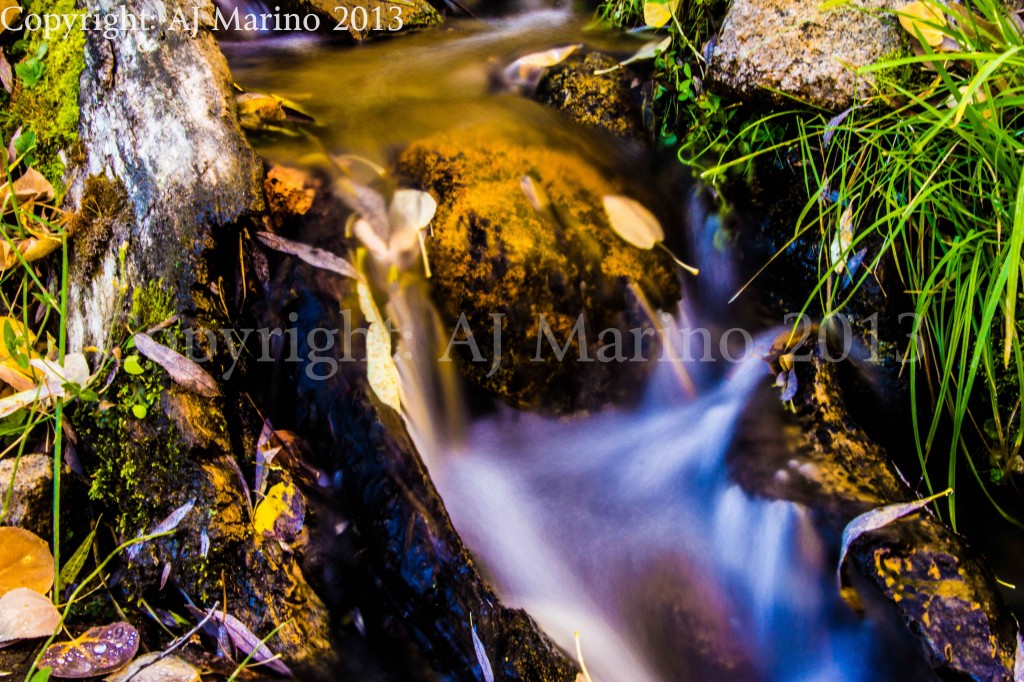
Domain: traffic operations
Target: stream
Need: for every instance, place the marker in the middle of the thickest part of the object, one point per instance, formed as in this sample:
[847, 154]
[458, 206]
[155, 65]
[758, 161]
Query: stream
[622, 526]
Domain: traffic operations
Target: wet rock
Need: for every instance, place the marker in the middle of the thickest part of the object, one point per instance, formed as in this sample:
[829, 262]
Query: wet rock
[768, 49]
[934, 582]
[289, 194]
[31, 504]
[409, 14]
[494, 254]
[612, 102]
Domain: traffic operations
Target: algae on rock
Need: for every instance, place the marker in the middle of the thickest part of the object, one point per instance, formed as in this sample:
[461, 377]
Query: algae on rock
[493, 253]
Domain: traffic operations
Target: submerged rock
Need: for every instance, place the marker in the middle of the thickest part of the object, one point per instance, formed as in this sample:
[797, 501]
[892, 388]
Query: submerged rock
[363, 19]
[498, 260]
[611, 101]
[772, 49]
[31, 490]
[926, 575]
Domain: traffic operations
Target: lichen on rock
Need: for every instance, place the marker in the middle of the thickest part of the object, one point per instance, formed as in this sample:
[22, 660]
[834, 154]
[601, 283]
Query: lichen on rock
[772, 49]
[493, 253]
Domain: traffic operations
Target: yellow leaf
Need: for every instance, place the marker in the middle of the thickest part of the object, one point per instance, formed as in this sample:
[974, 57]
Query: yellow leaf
[632, 221]
[280, 514]
[381, 371]
[924, 19]
[657, 14]
[25, 561]
[10, 16]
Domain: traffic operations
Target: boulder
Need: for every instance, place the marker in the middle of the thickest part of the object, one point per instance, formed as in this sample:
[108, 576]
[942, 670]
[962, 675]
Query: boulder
[773, 49]
[493, 253]
[30, 484]
[611, 101]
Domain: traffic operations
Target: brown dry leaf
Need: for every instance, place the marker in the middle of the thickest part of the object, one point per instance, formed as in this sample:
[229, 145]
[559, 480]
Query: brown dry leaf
[183, 371]
[152, 668]
[923, 19]
[26, 614]
[97, 651]
[30, 187]
[318, 258]
[6, 75]
[25, 561]
[248, 643]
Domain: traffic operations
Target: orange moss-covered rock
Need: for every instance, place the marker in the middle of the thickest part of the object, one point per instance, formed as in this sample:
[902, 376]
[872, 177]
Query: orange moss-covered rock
[493, 252]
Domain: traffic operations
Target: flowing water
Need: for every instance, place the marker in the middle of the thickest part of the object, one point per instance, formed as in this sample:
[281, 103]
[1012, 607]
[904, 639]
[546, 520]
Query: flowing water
[623, 525]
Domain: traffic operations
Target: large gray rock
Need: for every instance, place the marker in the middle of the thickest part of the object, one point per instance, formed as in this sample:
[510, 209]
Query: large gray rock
[768, 49]
[30, 507]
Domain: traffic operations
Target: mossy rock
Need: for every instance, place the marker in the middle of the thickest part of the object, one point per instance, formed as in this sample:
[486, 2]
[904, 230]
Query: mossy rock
[413, 14]
[609, 101]
[493, 253]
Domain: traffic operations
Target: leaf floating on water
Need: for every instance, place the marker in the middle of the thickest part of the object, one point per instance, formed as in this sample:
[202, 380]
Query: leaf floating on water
[183, 371]
[26, 614]
[657, 14]
[878, 518]
[156, 667]
[380, 371]
[280, 514]
[923, 19]
[248, 643]
[318, 258]
[528, 70]
[632, 221]
[411, 210]
[648, 51]
[25, 561]
[481, 656]
[97, 651]
[166, 526]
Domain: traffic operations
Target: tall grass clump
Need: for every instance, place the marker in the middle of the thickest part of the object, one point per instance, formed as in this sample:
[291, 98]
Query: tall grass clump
[929, 172]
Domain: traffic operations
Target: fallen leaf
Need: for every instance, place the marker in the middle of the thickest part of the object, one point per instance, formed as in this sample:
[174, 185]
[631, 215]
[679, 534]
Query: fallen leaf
[6, 73]
[183, 371]
[11, 17]
[481, 657]
[280, 514]
[648, 51]
[632, 221]
[97, 651]
[527, 71]
[248, 643]
[28, 188]
[166, 526]
[1018, 659]
[534, 193]
[25, 561]
[265, 454]
[26, 614]
[380, 371]
[923, 20]
[842, 241]
[878, 518]
[318, 258]
[410, 211]
[657, 14]
[156, 667]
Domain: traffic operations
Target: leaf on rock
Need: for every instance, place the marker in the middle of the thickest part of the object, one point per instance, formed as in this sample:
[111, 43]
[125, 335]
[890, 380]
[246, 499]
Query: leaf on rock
[657, 14]
[878, 518]
[265, 454]
[381, 371]
[528, 70]
[183, 371]
[411, 210]
[248, 643]
[25, 561]
[280, 514]
[97, 651]
[166, 526]
[26, 614]
[481, 657]
[30, 187]
[152, 668]
[648, 51]
[632, 221]
[923, 20]
[318, 258]
[11, 17]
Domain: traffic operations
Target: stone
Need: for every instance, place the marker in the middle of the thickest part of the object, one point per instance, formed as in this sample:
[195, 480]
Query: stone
[31, 504]
[493, 253]
[407, 15]
[774, 49]
[612, 101]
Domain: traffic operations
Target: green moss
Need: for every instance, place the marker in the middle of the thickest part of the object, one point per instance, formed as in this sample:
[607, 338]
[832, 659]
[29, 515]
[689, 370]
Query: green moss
[50, 109]
[152, 304]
